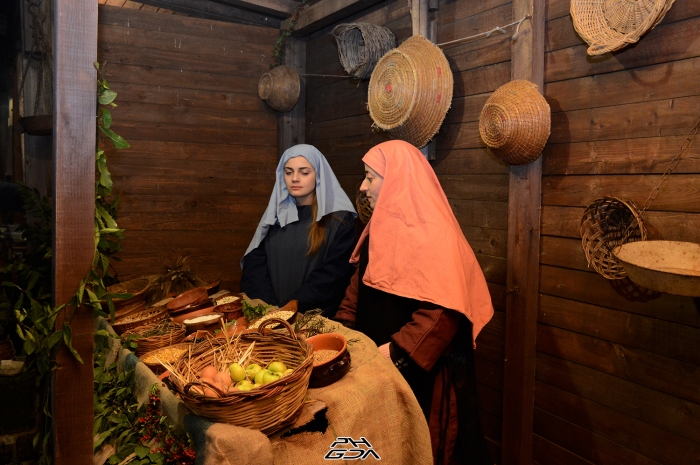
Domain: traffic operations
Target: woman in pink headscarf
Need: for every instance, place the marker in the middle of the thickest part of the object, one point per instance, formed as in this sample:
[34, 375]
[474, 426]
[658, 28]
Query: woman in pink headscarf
[420, 294]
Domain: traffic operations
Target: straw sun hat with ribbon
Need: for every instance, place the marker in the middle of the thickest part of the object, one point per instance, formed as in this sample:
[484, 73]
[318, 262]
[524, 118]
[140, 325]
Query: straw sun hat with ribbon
[515, 122]
[410, 91]
[608, 25]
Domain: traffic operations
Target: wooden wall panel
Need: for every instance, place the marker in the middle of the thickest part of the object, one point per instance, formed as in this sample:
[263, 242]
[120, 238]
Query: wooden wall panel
[475, 182]
[617, 367]
[203, 145]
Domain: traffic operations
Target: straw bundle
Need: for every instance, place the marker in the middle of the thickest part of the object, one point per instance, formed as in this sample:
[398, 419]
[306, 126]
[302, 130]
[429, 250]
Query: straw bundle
[515, 122]
[361, 45]
[410, 91]
[280, 88]
[607, 223]
[608, 25]
[267, 408]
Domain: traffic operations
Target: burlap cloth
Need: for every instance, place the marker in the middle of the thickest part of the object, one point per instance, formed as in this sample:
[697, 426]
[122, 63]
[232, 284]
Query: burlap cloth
[372, 401]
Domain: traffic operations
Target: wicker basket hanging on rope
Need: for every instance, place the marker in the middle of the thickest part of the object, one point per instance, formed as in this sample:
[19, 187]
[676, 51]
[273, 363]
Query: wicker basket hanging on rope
[280, 88]
[361, 45]
[607, 223]
[410, 91]
[515, 122]
[609, 25]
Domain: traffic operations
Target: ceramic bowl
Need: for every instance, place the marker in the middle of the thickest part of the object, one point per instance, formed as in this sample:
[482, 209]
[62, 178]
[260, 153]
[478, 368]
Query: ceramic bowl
[181, 317]
[330, 370]
[231, 311]
[189, 298]
[211, 324]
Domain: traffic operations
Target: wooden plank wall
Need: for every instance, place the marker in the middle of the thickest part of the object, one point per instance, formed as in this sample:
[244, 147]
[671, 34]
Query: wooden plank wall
[199, 172]
[617, 373]
[475, 182]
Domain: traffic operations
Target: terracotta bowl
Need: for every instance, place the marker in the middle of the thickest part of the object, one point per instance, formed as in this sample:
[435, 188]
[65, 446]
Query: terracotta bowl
[213, 288]
[329, 371]
[181, 317]
[231, 311]
[192, 297]
[210, 324]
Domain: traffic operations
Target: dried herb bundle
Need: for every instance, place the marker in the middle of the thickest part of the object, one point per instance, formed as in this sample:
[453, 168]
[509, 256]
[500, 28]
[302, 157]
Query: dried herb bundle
[175, 279]
[311, 323]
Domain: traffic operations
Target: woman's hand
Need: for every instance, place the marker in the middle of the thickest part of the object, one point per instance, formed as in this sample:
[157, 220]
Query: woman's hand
[384, 350]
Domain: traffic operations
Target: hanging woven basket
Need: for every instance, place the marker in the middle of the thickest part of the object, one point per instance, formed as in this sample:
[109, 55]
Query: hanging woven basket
[515, 122]
[607, 223]
[410, 91]
[609, 25]
[361, 45]
[280, 88]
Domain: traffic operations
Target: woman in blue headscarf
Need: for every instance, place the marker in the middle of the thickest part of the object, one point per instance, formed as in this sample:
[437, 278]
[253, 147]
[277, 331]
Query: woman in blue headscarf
[302, 246]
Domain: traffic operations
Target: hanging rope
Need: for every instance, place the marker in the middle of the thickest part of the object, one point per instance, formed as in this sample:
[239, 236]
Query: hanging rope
[501, 29]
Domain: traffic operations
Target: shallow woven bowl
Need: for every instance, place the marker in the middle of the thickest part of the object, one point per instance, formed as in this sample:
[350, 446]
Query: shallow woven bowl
[280, 88]
[410, 91]
[515, 122]
[609, 25]
[607, 223]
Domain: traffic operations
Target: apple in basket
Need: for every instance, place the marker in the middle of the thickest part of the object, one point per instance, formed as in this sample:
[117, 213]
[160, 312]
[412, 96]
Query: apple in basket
[237, 372]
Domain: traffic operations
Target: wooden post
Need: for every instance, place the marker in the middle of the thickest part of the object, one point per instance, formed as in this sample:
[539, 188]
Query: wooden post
[524, 204]
[291, 125]
[75, 51]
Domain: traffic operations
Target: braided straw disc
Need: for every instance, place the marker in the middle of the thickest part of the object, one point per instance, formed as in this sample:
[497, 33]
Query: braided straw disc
[607, 223]
[515, 122]
[410, 91]
[280, 88]
[609, 25]
[361, 45]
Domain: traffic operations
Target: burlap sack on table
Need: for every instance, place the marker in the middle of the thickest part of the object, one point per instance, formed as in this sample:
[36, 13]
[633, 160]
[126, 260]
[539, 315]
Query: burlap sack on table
[372, 401]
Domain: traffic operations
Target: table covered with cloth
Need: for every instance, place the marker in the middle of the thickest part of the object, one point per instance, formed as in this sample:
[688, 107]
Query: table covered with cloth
[372, 406]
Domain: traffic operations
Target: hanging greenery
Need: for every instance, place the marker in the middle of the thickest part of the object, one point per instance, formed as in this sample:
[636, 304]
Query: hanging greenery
[278, 50]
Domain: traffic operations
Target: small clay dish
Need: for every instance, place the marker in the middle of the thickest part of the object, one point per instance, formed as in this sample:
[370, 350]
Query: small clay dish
[331, 367]
[197, 323]
[194, 296]
[231, 311]
[213, 288]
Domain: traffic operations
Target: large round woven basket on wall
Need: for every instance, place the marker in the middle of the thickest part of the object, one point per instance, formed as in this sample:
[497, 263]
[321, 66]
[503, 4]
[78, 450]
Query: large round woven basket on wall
[280, 88]
[361, 45]
[609, 25]
[515, 122]
[410, 91]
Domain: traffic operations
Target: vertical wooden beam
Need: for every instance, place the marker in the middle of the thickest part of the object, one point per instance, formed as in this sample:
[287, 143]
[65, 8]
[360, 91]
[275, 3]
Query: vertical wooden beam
[291, 125]
[75, 51]
[524, 204]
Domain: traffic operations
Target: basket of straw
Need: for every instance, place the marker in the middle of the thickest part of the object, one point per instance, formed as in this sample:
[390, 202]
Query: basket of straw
[158, 359]
[267, 407]
[153, 336]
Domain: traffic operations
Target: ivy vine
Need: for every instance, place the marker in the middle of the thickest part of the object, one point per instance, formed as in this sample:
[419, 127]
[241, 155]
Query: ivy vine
[279, 48]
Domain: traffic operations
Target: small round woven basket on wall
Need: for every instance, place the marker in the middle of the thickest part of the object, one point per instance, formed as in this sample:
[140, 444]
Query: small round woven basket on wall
[515, 122]
[280, 88]
[609, 25]
[607, 223]
[410, 91]
[361, 45]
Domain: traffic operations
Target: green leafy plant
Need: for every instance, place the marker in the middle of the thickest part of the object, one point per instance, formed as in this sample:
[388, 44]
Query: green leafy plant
[253, 312]
[280, 45]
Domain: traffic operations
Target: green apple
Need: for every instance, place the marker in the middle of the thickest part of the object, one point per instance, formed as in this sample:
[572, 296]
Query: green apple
[270, 377]
[259, 375]
[277, 367]
[244, 387]
[237, 372]
[244, 382]
[252, 370]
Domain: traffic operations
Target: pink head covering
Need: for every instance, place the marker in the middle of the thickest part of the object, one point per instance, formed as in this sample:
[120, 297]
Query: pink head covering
[417, 248]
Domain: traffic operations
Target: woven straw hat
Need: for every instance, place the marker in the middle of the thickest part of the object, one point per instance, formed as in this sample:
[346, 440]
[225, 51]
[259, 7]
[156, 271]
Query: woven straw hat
[361, 45]
[410, 91]
[515, 122]
[608, 25]
[280, 88]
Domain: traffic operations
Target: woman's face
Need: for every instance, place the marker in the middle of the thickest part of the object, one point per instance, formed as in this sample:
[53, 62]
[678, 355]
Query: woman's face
[300, 178]
[371, 185]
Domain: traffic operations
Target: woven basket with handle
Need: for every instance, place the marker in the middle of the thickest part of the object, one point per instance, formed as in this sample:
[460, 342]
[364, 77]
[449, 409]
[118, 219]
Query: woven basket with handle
[267, 408]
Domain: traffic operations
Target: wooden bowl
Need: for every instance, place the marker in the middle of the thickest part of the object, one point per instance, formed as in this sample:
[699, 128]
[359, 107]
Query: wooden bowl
[191, 297]
[211, 324]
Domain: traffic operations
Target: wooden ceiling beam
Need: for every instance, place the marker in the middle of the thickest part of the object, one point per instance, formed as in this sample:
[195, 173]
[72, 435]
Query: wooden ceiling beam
[325, 13]
[278, 8]
[208, 9]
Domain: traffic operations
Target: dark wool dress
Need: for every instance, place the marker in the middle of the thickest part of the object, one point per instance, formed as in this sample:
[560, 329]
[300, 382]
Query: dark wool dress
[279, 270]
[433, 348]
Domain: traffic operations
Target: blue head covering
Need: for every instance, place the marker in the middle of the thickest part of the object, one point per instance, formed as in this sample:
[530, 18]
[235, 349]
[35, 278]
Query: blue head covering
[282, 208]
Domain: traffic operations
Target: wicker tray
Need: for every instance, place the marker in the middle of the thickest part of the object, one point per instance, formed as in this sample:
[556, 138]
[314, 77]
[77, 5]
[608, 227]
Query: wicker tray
[175, 335]
[164, 354]
[267, 408]
[144, 317]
